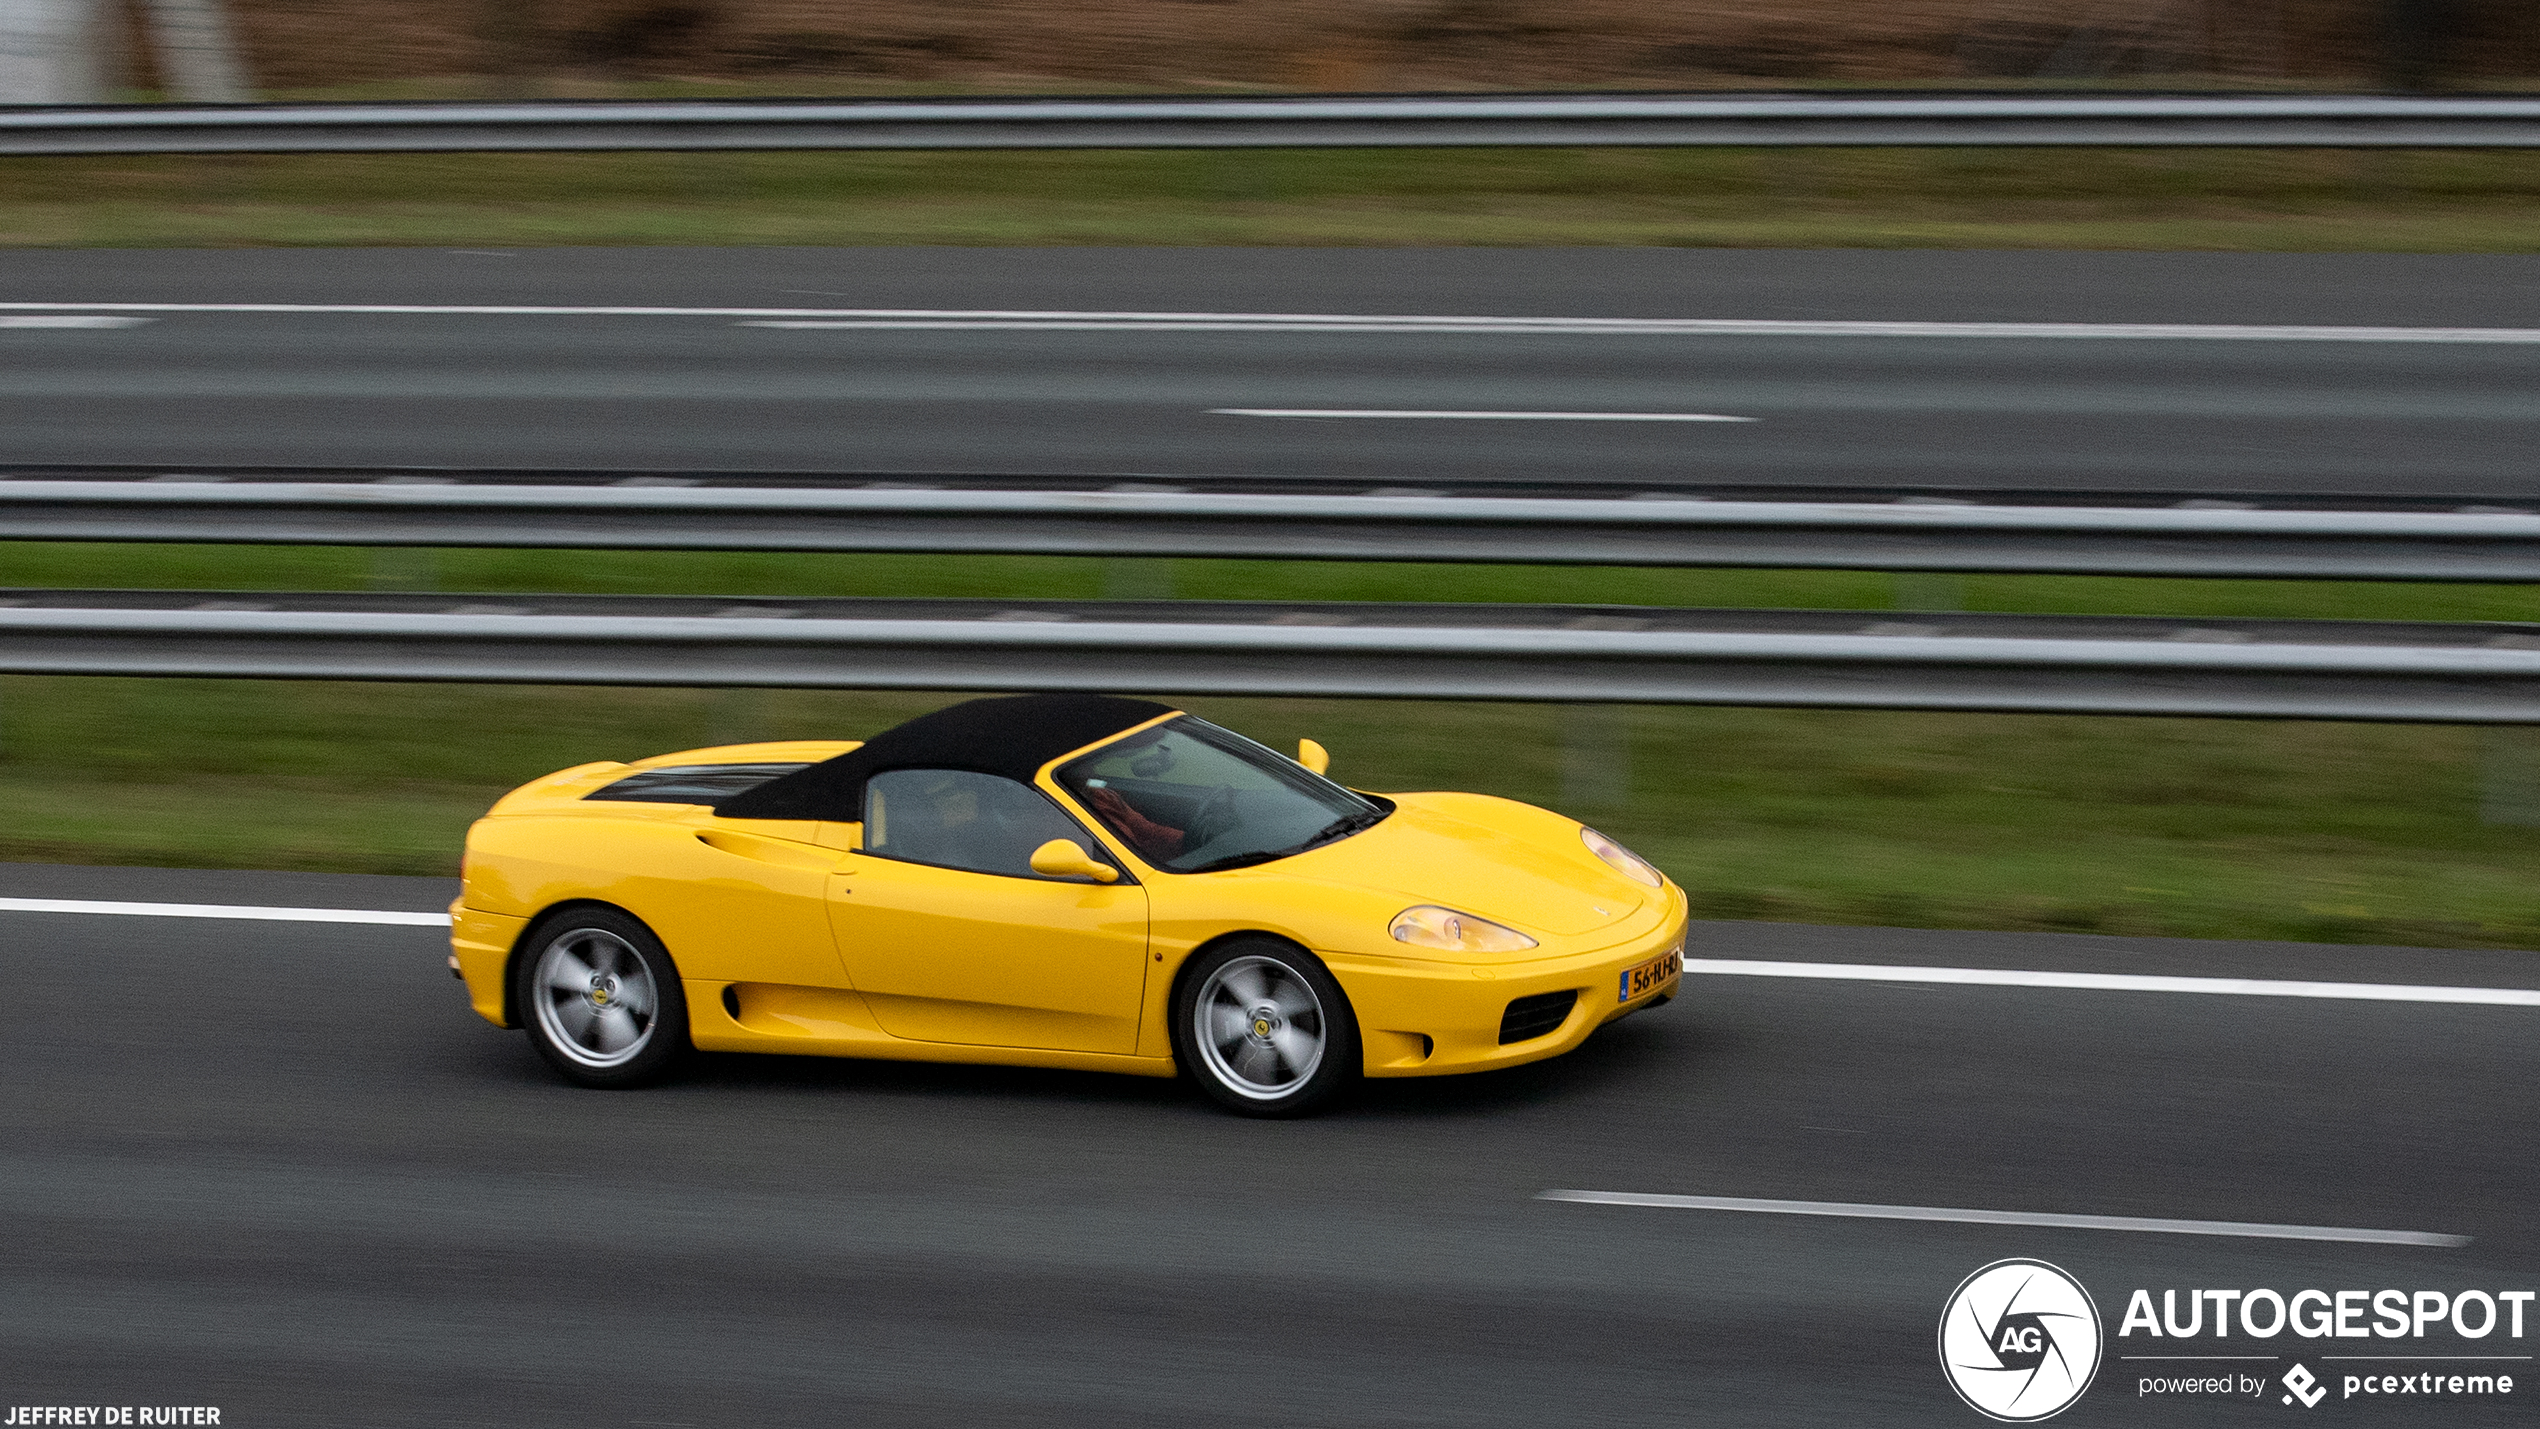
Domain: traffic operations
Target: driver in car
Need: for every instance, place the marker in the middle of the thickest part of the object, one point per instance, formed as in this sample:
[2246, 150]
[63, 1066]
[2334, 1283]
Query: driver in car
[1154, 842]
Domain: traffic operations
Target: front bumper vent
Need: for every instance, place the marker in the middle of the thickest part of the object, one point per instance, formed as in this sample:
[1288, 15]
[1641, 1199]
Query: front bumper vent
[1536, 1016]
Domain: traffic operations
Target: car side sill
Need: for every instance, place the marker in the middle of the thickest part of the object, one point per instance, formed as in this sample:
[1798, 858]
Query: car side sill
[712, 1028]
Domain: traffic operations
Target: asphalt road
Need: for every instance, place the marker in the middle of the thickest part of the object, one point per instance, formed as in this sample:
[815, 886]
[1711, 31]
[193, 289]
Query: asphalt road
[280, 1169]
[697, 390]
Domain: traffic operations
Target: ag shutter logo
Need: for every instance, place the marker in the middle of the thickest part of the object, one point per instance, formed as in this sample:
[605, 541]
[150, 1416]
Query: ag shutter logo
[2019, 1340]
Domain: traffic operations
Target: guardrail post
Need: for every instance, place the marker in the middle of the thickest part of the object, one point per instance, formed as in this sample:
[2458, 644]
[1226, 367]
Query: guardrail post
[2416, 40]
[509, 31]
[2509, 776]
[1137, 578]
[404, 568]
[197, 52]
[1930, 590]
[736, 714]
[53, 51]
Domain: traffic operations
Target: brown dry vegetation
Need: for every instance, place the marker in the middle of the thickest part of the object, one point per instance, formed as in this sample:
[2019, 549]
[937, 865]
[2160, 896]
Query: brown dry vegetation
[312, 45]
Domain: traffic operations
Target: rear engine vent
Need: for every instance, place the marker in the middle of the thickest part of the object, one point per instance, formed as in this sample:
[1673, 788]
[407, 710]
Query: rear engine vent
[690, 783]
[1536, 1016]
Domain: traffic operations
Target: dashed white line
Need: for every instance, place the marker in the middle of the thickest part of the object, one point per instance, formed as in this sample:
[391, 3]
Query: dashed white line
[1070, 320]
[2119, 982]
[2046, 1219]
[1452, 416]
[378, 916]
[71, 320]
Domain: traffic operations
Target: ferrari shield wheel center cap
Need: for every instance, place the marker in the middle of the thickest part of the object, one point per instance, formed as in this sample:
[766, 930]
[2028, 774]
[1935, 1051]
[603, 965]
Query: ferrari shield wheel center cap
[1264, 1022]
[603, 991]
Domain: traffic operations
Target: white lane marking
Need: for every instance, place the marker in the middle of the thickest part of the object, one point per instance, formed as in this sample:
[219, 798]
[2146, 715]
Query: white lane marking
[78, 320]
[1654, 327]
[1121, 324]
[1861, 1211]
[1361, 322]
[1855, 972]
[226, 910]
[1420, 416]
[2120, 982]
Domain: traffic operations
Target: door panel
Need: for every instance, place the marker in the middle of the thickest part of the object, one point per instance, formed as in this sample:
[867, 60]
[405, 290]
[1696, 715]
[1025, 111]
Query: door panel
[732, 904]
[949, 955]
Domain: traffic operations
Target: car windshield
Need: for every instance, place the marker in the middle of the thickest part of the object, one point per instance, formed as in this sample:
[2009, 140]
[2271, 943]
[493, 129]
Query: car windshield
[1191, 797]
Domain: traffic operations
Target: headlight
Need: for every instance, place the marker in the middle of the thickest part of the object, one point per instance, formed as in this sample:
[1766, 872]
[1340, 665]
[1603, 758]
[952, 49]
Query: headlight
[1624, 861]
[1429, 926]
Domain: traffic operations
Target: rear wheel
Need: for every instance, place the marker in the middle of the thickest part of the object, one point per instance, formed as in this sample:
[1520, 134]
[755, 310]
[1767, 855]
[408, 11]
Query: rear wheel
[1264, 1029]
[601, 999]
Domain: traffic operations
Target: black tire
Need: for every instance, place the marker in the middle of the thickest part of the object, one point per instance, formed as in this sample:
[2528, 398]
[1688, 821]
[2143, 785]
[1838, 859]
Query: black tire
[1242, 1013]
[601, 999]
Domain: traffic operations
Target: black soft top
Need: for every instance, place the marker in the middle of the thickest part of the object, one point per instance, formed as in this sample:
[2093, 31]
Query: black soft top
[1013, 736]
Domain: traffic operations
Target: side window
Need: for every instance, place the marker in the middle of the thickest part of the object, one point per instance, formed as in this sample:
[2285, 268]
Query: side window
[954, 818]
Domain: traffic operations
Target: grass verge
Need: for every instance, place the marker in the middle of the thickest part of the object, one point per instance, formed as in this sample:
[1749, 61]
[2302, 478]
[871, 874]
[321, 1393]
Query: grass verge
[2197, 828]
[777, 575]
[2083, 198]
[2333, 832]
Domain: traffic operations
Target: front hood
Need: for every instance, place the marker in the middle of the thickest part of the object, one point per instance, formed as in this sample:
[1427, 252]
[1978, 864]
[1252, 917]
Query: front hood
[1505, 861]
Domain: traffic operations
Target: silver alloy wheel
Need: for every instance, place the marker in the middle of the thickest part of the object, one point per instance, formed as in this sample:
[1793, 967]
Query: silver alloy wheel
[1259, 1027]
[595, 997]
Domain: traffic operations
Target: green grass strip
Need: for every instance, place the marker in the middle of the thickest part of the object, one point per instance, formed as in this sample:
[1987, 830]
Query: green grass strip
[2200, 828]
[2253, 200]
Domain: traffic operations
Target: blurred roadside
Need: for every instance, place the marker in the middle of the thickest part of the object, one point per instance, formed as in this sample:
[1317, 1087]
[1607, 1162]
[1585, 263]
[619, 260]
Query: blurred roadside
[2316, 832]
[147, 50]
[2321, 832]
[566, 48]
[2215, 200]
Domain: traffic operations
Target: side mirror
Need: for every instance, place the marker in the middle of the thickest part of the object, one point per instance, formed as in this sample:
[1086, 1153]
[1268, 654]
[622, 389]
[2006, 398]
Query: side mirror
[1064, 858]
[1313, 756]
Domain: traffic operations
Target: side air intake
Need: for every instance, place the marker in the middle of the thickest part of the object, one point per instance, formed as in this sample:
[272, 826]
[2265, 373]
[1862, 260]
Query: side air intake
[1536, 1016]
[689, 783]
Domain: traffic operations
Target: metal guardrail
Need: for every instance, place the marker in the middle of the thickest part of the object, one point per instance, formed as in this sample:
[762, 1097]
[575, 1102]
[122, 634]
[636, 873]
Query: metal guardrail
[2077, 665]
[2415, 545]
[2333, 121]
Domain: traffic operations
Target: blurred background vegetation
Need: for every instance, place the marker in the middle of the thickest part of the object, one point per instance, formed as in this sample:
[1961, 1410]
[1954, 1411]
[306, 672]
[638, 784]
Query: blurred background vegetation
[2205, 828]
[2278, 200]
[565, 49]
[569, 48]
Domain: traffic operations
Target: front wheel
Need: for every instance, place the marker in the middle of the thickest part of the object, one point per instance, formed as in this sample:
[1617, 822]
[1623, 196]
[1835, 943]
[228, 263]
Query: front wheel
[601, 999]
[1264, 1029]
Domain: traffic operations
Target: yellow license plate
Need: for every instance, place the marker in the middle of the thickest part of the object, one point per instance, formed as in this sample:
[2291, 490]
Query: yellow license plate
[1652, 975]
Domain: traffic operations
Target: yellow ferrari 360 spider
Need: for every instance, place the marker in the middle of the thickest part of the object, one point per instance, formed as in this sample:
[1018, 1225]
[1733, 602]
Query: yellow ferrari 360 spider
[1051, 881]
